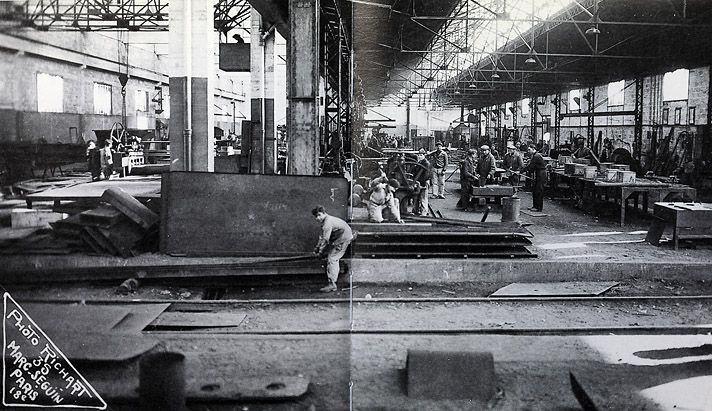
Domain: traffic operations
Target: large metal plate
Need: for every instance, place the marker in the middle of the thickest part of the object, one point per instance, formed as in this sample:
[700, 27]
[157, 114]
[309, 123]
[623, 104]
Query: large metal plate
[560, 289]
[211, 214]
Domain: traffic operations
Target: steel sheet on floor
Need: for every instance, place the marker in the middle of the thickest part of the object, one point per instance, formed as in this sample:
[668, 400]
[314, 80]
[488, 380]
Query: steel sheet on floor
[208, 214]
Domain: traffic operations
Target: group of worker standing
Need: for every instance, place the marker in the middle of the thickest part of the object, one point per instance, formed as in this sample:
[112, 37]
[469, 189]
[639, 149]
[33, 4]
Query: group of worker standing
[475, 171]
[479, 170]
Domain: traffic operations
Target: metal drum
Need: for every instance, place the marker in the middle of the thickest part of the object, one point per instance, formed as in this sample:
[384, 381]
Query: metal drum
[510, 208]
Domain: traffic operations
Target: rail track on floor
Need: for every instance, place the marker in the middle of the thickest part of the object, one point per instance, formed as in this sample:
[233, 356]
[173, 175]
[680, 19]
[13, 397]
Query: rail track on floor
[356, 307]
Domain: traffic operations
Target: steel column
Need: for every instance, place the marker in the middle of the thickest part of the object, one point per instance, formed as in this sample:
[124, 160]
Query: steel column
[498, 131]
[638, 131]
[557, 121]
[589, 128]
[532, 114]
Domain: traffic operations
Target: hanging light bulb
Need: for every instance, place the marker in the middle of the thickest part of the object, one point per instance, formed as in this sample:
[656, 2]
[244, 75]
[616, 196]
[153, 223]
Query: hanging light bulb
[530, 59]
[593, 31]
[495, 76]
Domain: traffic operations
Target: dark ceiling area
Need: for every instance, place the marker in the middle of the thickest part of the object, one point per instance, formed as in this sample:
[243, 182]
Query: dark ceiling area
[637, 38]
[383, 35]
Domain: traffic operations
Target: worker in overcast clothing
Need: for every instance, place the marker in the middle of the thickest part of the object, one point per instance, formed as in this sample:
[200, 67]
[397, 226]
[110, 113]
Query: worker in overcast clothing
[422, 178]
[486, 166]
[467, 178]
[513, 164]
[439, 163]
[335, 237]
[537, 166]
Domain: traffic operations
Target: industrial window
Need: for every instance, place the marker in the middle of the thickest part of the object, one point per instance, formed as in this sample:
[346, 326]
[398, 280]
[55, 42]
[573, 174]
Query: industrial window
[675, 85]
[616, 95]
[574, 101]
[50, 93]
[666, 116]
[141, 100]
[102, 98]
[525, 107]
[691, 115]
[678, 115]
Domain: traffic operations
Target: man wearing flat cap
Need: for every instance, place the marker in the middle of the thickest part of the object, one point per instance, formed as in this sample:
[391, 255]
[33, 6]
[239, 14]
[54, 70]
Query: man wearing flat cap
[467, 178]
[513, 164]
[439, 163]
[486, 166]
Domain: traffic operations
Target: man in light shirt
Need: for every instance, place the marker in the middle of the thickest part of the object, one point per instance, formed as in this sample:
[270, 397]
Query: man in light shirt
[439, 163]
[335, 238]
[382, 197]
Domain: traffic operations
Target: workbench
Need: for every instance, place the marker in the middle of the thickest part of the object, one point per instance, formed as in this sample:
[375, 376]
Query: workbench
[688, 220]
[649, 191]
[492, 191]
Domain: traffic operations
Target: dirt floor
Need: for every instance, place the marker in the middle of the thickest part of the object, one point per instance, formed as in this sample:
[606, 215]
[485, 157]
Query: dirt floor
[570, 233]
[354, 354]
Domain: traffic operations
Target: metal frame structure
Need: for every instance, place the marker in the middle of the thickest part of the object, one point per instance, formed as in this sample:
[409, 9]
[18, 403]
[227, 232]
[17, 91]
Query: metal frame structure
[337, 73]
[91, 15]
[120, 15]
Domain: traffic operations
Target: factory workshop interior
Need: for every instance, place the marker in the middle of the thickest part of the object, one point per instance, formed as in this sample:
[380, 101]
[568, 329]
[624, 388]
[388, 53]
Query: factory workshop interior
[356, 204]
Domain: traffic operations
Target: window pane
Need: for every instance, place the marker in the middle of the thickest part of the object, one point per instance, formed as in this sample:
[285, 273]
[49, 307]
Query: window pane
[525, 106]
[616, 95]
[675, 85]
[50, 93]
[574, 100]
[141, 100]
[102, 98]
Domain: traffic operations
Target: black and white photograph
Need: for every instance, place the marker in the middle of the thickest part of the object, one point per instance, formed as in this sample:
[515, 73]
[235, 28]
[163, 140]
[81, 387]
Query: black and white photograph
[357, 205]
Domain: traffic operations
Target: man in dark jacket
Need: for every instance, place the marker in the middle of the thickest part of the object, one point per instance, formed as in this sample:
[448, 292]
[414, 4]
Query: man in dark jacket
[467, 178]
[513, 164]
[486, 166]
[422, 176]
[537, 166]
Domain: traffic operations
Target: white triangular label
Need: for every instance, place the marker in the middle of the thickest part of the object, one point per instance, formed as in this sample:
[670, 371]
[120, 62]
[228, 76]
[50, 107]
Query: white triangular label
[35, 372]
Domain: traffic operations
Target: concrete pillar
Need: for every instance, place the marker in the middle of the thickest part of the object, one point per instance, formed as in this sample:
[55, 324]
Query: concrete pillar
[303, 87]
[192, 71]
[270, 152]
[257, 90]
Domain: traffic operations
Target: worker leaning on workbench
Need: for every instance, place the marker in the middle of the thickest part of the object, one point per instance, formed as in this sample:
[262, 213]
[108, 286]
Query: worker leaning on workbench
[335, 238]
[486, 166]
[581, 150]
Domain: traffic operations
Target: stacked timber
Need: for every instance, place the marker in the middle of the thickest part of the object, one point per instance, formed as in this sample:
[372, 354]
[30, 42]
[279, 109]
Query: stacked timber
[426, 237]
[120, 226]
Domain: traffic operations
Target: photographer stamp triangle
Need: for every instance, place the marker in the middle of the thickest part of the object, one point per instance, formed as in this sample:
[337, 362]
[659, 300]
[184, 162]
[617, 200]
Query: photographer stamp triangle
[35, 371]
